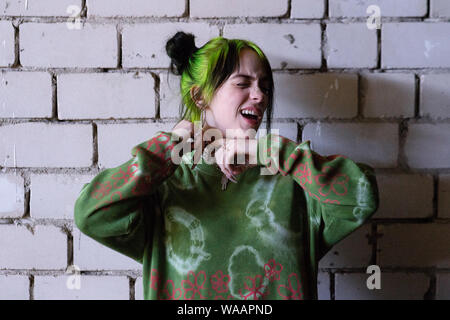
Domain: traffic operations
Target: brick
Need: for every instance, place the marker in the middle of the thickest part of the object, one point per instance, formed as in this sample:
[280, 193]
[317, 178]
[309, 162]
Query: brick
[152, 52]
[300, 44]
[307, 9]
[435, 96]
[287, 130]
[444, 196]
[45, 249]
[53, 195]
[440, 8]
[106, 95]
[115, 142]
[25, 95]
[356, 141]
[323, 286]
[325, 95]
[14, 287]
[388, 8]
[415, 45]
[352, 252]
[136, 8]
[7, 54]
[46, 145]
[11, 196]
[356, 51]
[40, 8]
[91, 255]
[169, 95]
[394, 286]
[397, 100]
[414, 245]
[139, 289]
[56, 45]
[237, 8]
[424, 145]
[443, 286]
[91, 288]
[405, 196]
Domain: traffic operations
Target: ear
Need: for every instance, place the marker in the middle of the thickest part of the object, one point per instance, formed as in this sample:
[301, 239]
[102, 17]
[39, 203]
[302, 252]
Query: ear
[197, 96]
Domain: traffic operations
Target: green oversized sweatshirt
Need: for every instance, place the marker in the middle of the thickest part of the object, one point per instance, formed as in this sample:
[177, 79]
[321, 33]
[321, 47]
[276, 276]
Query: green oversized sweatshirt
[260, 238]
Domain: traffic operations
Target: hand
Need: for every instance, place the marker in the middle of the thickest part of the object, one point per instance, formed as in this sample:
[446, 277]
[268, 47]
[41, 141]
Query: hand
[232, 150]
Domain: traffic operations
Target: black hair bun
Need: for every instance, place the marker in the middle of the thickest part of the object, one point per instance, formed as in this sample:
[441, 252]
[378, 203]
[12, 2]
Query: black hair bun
[180, 48]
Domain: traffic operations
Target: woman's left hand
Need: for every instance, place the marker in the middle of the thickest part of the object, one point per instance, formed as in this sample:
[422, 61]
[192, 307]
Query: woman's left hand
[235, 155]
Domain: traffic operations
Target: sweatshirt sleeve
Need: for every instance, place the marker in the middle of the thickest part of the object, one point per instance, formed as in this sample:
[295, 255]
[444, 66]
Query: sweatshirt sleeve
[113, 207]
[341, 194]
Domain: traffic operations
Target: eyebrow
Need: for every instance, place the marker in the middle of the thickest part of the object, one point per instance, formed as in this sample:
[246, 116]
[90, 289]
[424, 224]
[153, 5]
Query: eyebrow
[265, 78]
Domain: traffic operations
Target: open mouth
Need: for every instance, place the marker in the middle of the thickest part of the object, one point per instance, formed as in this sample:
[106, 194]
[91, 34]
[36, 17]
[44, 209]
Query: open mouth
[249, 117]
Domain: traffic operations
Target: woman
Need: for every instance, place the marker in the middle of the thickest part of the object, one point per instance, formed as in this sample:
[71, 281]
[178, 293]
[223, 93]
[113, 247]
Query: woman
[262, 236]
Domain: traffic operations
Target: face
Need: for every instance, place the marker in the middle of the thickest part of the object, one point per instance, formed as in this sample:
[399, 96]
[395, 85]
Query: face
[241, 100]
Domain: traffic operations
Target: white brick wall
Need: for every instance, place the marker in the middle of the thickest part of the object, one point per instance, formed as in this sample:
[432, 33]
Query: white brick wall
[405, 196]
[93, 45]
[415, 45]
[417, 245]
[300, 42]
[53, 196]
[398, 95]
[169, 95]
[6, 44]
[106, 95]
[332, 95]
[440, 8]
[374, 144]
[323, 286]
[443, 286]
[237, 8]
[91, 288]
[46, 145]
[307, 9]
[38, 7]
[90, 255]
[351, 46]
[45, 249]
[11, 196]
[388, 8]
[151, 52]
[444, 196]
[434, 95]
[116, 141]
[378, 97]
[17, 287]
[37, 103]
[354, 251]
[135, 8]
[425, 143]
[394, 286]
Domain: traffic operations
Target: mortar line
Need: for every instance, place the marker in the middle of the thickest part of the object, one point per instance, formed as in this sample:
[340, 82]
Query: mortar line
[31, 286]
[16, 63]
[417, 96]
[332, 285]
[187, 6]
[95, 146]
[119, 46]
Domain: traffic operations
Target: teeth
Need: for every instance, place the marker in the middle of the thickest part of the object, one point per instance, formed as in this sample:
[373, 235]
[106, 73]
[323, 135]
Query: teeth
[251, 112]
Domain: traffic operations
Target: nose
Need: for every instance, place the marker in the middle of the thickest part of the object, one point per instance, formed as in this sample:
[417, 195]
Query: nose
[257, 94]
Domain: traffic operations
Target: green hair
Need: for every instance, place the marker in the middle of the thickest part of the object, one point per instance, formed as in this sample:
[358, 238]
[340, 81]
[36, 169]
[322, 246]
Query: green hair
[210, 66]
